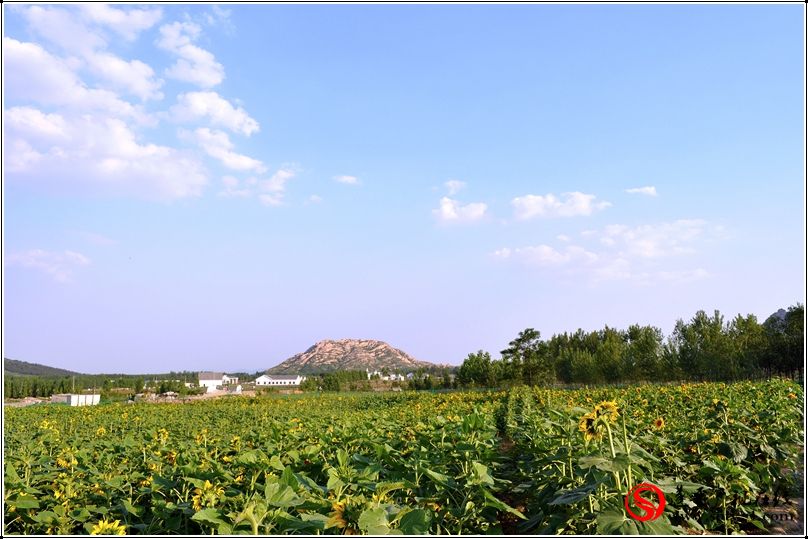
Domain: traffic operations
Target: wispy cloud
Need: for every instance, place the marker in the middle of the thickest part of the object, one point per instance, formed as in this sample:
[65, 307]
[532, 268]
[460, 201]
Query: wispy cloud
[454, 211]
[545, 255]
[649, 190]
[655, 240]
[347, 180]
[128, 23]
[217, 144]
[549, 206]
[98, 239]
[212, 107]
[273, 189]
[232, 187]
[269, 191]
[454, 186]
[194, 64]
[58, 265]
[641, 254]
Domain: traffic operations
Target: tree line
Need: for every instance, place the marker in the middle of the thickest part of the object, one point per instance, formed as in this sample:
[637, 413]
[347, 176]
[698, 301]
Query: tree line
[703, 348]
[19, 386]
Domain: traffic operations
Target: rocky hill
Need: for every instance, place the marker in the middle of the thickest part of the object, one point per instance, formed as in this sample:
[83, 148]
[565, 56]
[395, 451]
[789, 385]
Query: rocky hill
[349, 354]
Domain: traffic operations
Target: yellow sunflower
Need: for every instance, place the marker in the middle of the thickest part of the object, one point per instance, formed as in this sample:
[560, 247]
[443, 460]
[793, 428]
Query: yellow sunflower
[588, 425]
[108, 527]
[607, 409]
[659, 423]
[207, 496]
[345, 516]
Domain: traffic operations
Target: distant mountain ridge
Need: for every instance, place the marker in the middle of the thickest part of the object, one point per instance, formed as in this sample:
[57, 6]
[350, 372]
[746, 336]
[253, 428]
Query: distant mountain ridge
[349, 354]
[23, 368]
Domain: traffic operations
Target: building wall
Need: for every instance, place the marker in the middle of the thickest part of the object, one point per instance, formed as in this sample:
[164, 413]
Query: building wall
[76, 400]
[271, 382]
[210, 384]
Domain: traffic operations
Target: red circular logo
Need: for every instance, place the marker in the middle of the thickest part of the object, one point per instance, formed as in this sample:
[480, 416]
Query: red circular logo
[649, 509]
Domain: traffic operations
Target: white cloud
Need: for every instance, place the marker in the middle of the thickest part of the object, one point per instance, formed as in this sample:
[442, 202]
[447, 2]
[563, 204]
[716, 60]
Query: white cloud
[314, 199]
[273, 189]
[656, 240]
[642, 255]
[454, 186]
[686, 276]
[544, 255]
[219, 16]
[563, 237]
[234, 189]
[194, 65]
[133, 77]
[32, 122]
[61, 27]
[573, 204]
[453, 211]
[348, 180]
[648, 190]
[59, 265]
[214, 108]
[101, 153]
[217, 144]
[33, 74]
[98, 239]
[128, 23]
[66, 29]
[269, 191]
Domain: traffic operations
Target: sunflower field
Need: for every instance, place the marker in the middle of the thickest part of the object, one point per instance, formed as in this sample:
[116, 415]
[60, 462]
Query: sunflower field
[527, 460]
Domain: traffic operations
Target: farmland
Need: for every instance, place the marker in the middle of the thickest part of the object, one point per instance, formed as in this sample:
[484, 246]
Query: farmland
[527, 460]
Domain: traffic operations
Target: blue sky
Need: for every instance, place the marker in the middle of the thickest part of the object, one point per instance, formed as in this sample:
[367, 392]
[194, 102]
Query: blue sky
[204, 187]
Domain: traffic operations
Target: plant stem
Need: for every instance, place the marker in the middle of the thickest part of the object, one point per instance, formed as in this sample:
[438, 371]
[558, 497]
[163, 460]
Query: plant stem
[628, 452]
[619, 484]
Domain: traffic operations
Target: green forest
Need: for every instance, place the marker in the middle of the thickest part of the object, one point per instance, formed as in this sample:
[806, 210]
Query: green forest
[704, 348]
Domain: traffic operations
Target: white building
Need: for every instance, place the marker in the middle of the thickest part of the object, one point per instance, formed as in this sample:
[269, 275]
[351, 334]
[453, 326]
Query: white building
[76, 400]
[216, 380]
[386, 377]
[279, 380]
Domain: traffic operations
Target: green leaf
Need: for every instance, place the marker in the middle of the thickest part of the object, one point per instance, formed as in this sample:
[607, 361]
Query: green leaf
[128, 508]
[440, 478]
[288, 478]
[198, 483]
[283, 496]
[669, 485]
[374, 522]
[415, 522]
[609, 522]
[660, 526]
[24, 502]
[334, 482]
[44, 517]
[481, 475]
[208, 516]
[492, 501]
[253, 456]
[342, 457]
[382, 489]
[11, 475]
[276, 463]
[567, 497]
[589, 461]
